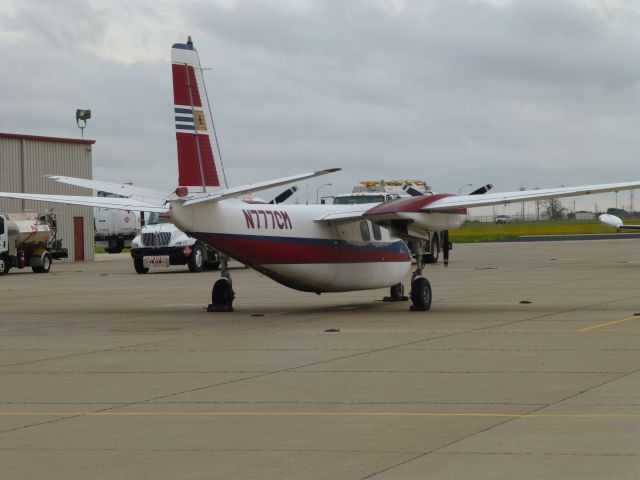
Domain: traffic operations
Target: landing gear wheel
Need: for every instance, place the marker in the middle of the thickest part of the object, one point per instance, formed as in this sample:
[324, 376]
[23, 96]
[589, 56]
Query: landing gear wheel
[196, 261]
[222, 296]
[46, 264]
[138, 264]
[420, 295]
[396, 294]
[4, 265]
[433, 256]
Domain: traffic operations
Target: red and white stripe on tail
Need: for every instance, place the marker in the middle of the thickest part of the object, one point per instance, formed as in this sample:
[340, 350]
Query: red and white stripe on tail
[197, 166]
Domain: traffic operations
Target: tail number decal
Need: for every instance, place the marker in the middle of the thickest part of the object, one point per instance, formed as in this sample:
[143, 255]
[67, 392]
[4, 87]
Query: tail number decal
[267, 219]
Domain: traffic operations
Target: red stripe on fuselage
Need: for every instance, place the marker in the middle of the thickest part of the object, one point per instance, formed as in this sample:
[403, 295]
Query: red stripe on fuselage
[263, 250]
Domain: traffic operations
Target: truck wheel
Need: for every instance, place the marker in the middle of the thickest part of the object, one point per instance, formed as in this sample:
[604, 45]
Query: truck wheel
[196, 260]
[4, 265]
[139, 266]
[435, 249]
[46, 264]
[113, 249]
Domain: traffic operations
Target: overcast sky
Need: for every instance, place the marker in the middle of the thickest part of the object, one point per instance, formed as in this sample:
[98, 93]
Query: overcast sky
[535, 93]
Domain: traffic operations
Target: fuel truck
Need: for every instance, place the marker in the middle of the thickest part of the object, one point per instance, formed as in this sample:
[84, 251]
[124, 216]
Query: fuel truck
[29, 240]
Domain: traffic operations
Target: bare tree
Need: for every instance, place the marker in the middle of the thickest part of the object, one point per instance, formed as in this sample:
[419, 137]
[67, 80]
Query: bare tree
[553, 209]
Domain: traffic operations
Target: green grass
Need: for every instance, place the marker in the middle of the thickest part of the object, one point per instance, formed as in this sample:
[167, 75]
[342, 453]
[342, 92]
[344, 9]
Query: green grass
[487, 232]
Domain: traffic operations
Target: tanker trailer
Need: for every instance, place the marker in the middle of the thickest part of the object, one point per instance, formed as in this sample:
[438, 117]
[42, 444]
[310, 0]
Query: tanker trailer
[29, 240]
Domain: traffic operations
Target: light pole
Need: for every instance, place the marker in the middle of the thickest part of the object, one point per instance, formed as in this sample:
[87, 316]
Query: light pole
[82, 116]
[318, 191]
[465, 185]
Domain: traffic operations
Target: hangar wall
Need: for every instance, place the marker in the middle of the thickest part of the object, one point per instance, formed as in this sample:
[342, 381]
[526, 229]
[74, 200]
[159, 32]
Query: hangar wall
[26, 159]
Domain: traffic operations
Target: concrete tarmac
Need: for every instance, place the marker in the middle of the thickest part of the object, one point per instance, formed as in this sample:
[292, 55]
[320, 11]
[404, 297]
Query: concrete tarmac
[526, 367]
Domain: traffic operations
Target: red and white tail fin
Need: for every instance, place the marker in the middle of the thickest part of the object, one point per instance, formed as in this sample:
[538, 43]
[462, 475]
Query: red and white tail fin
[197, 166]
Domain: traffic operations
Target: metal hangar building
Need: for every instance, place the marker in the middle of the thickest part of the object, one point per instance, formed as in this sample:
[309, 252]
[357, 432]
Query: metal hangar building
[24, 162]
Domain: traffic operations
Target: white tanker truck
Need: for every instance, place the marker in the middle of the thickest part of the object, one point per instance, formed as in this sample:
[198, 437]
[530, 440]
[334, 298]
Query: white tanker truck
[29, 240]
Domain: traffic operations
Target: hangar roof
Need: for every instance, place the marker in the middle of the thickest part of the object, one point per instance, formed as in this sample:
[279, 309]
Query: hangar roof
[38, 138]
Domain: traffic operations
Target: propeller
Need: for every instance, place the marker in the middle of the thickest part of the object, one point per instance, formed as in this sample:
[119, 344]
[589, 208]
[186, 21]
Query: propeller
[417, 193]
[284, 195]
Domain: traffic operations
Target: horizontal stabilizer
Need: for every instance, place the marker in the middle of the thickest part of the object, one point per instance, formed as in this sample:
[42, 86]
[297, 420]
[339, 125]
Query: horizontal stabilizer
[103, 202]
[254, 187]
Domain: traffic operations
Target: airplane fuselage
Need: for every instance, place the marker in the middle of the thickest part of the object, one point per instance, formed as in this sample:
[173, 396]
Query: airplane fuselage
[286, 243]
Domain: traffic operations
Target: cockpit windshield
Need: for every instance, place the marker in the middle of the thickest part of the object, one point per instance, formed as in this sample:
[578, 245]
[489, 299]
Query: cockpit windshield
[156, 218]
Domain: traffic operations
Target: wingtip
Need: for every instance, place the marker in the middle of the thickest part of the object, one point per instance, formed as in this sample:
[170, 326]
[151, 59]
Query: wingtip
[330, 170]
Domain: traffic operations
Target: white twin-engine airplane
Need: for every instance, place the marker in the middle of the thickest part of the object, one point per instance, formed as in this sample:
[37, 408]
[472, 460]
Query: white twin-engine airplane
[312, 248]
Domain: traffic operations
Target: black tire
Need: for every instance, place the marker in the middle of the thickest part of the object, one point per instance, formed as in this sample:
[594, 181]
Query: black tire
[196, 260]
[420, 294]
[433, 256]
[222, 294]
[139, 265]
[208, 265]
[397, 292]
[46, 264]
[4, 265]
[113, 249]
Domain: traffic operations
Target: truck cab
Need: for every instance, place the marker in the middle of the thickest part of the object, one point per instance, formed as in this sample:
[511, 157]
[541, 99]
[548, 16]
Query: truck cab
[161, 244]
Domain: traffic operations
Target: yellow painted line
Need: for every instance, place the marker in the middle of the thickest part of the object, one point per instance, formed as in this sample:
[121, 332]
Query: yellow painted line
[606, 324]
[322, 414]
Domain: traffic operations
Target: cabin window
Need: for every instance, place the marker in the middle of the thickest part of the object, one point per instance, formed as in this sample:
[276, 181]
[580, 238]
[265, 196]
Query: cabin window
[1, 225]
[377, 234]
[364, 230]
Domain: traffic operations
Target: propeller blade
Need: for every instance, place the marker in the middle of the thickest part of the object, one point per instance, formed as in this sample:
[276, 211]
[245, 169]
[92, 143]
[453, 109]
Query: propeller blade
[284, 195]
[412, 191]
[482, 190]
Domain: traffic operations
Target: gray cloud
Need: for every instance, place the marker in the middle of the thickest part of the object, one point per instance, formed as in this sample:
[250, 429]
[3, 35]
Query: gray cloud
[535, 93]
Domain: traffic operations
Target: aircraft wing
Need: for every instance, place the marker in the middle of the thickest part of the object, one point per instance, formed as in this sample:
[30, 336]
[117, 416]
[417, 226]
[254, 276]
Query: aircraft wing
[352, 212]
[470, 201]
[254, 187]
[104, 202]
[130, 191]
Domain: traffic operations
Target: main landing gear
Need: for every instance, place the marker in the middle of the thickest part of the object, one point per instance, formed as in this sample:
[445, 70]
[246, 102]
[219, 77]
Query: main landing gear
[222, 294]
[420, 286]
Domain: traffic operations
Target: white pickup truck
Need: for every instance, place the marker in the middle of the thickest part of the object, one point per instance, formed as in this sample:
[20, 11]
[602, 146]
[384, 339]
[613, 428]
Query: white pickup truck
[161, 244]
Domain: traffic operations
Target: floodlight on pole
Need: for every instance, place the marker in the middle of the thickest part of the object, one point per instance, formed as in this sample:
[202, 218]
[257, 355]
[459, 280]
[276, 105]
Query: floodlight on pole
[82, 115]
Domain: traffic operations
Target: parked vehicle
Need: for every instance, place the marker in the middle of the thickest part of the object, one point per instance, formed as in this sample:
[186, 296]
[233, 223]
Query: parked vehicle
[115, 229]
[29, 240]
[503, 219]
[161, 244]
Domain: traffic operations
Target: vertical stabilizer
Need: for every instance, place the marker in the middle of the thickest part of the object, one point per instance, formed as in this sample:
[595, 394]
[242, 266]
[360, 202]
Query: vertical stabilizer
[197, 166]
